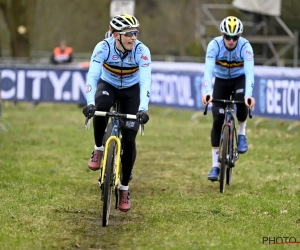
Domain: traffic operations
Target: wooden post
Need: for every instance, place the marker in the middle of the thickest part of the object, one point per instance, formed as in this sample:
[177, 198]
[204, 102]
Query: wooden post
[0, 94]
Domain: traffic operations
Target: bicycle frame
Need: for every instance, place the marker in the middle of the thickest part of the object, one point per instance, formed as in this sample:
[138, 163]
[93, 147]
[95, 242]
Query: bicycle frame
[114, 136]
[229, 120]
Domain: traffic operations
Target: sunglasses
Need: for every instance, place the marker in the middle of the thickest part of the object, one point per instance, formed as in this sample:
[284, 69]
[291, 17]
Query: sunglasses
[130, 33]
[228, 37]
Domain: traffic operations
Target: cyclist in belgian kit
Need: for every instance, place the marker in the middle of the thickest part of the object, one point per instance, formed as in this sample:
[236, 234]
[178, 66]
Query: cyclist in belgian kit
[120, 69]
[230, 57]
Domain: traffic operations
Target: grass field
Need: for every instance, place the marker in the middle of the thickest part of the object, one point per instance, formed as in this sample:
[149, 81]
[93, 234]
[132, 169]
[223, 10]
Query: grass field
[50, 200]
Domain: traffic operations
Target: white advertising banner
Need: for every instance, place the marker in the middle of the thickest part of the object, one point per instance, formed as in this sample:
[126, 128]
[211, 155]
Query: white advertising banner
[265, 7]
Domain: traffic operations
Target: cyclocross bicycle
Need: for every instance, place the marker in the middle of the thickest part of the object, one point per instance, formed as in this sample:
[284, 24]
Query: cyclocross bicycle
[228, 153]
[111, 169]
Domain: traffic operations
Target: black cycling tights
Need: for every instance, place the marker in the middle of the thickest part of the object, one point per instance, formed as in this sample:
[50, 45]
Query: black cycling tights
[222, 90]
[129, 154]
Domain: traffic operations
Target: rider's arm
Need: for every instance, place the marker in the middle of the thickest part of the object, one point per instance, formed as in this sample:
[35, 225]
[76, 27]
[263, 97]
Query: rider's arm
[143, 57]
[95, 69]
[210, 63]
[247, 54]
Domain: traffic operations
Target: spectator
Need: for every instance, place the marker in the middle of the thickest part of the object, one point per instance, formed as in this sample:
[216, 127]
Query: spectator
[108, 33]
[62, 54]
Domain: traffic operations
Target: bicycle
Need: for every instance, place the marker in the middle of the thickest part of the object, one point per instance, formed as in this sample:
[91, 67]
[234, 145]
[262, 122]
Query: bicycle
[228, 153]
[111, 169]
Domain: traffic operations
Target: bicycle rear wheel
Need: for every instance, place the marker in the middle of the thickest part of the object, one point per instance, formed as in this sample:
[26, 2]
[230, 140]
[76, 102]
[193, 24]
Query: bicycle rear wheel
[108, 183]
[224, 151]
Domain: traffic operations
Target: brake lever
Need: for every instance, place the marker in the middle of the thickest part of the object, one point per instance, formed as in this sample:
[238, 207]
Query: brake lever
[250, 113]
[87, 123]
[141, 126]
[250, 110]
[205, 109]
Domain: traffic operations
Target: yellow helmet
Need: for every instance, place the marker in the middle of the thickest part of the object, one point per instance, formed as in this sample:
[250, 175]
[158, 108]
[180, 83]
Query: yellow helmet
[231, 26]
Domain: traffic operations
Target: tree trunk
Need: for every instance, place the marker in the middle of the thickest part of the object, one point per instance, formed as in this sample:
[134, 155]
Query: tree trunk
[19, 16]
[20, 46]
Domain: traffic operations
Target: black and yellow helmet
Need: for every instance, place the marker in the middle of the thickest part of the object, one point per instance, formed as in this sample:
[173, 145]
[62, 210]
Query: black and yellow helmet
[123, 21]
[231, 26]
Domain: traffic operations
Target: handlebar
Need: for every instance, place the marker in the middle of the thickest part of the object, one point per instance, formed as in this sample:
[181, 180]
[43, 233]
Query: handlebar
[115, 115]
[229, 102]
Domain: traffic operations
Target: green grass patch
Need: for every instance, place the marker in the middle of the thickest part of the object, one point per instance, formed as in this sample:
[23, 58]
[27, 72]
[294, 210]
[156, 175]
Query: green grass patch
[50, 200]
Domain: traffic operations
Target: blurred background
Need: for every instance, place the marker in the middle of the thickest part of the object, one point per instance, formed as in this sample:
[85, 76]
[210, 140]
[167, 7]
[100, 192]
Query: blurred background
[174, 30]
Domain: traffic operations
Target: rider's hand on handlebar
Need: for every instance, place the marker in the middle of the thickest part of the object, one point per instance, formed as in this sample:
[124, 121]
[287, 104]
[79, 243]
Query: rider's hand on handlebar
[206, 99]
[89, 111]
[142, 116]
[249, 102]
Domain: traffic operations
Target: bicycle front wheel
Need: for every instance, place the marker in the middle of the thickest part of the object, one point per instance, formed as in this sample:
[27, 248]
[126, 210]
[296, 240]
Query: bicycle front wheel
[107, 133]
[224, 151]
[228, 176]
[108, 183]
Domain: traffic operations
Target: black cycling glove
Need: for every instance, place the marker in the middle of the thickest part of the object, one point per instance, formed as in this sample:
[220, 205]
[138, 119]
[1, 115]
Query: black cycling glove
[142, 116]
[89, 111]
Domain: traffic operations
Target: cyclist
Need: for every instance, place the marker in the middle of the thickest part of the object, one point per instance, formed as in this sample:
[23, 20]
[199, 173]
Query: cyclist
[108, 34]
[230, 57]
[120, 69]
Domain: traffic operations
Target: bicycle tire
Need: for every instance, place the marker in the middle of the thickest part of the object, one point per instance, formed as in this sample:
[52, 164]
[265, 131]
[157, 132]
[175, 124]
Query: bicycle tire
[232, 155]
[107, 133]
[108, 178]
[223, 168]
[228, 176]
